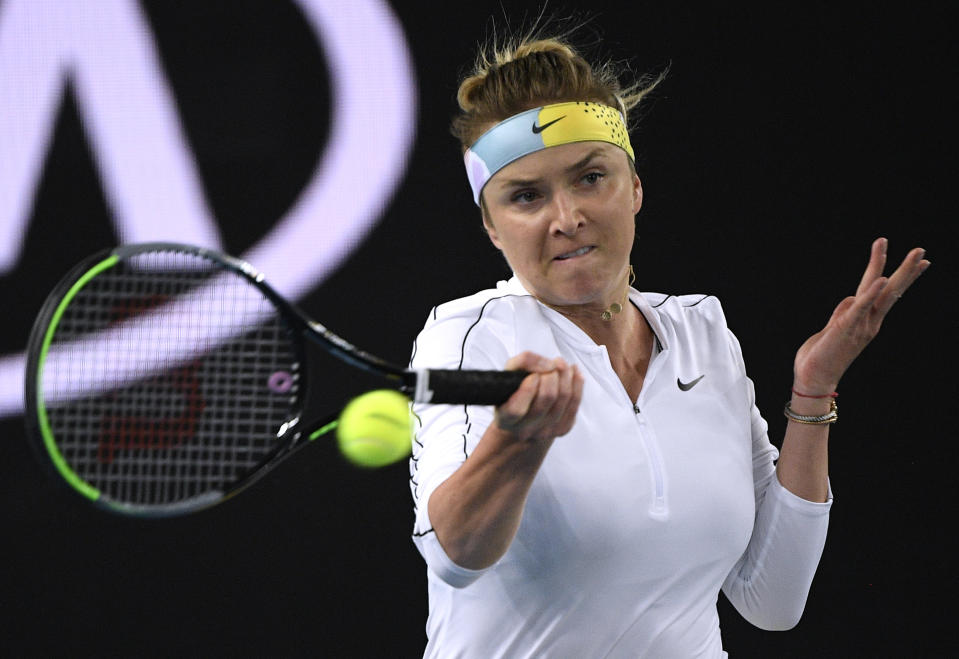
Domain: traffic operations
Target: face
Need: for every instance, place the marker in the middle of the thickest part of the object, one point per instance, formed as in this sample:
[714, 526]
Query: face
[564, 218]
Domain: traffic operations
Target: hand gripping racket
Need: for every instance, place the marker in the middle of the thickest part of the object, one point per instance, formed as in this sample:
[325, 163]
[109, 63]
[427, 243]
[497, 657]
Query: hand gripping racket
[163, 378]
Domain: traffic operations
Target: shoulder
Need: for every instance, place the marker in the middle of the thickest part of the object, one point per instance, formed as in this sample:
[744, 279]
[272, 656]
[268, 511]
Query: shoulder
[481, 326]
[695, 307]
[696, 321]
[484, 311]
[488, 303]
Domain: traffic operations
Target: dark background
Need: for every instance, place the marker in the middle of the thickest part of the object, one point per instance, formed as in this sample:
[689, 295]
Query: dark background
[783, 141]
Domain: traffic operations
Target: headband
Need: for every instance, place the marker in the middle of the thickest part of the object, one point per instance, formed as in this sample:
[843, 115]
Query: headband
[538, 129]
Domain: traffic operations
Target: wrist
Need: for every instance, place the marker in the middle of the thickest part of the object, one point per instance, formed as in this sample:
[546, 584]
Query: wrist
[807, 406]
[513, 445]
[810, 389]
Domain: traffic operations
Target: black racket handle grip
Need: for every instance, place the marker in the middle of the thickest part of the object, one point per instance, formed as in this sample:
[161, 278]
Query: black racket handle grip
[469, 387]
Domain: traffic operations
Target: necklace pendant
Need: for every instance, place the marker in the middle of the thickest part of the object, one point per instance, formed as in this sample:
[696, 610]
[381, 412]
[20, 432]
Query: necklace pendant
[615, 307]
[607, 315]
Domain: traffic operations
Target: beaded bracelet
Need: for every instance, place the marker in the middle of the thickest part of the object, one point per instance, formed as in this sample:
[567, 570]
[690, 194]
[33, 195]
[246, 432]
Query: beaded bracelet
[829, 417]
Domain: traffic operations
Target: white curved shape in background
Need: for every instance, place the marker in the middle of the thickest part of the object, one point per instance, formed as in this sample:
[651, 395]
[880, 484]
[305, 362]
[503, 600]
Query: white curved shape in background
[373, 109]
[372, 128]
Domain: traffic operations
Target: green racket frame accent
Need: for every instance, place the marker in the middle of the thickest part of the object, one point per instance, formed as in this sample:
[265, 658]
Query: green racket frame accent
[323, 430]
[44, 422]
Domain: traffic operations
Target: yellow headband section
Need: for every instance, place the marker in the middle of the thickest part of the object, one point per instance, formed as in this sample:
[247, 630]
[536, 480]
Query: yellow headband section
[538, 129]
[583, 122]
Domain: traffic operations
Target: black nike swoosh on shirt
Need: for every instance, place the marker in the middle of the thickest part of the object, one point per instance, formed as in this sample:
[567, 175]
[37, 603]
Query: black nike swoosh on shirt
[686, 386]
[540, 129]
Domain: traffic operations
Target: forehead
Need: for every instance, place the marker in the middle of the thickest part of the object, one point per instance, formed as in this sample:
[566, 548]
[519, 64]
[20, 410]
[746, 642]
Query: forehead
[558, 160]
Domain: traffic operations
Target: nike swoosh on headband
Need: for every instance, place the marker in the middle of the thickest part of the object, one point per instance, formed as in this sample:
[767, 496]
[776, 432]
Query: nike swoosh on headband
[686, 386]
[540, 129]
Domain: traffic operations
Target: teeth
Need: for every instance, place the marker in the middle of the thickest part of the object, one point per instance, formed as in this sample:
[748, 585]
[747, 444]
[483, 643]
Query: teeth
[578, 252]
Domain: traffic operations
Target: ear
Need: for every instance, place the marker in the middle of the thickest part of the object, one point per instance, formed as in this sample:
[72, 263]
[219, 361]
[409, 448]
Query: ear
[637, 194]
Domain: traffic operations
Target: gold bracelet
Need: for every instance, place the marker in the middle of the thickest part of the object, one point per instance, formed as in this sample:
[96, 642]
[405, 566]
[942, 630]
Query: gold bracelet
[829, 417]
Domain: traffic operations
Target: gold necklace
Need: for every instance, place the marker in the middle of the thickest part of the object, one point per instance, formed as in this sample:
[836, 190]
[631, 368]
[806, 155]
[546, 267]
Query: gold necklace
[617, 307]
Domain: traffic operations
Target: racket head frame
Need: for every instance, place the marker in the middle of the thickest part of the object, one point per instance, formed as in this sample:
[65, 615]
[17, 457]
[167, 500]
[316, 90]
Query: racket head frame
[293, 434]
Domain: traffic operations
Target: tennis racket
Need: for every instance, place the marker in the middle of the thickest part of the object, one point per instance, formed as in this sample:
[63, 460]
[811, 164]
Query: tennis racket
[163, 378]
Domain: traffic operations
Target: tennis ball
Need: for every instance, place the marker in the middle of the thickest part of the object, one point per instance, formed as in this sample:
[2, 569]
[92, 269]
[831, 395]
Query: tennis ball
[376, 429]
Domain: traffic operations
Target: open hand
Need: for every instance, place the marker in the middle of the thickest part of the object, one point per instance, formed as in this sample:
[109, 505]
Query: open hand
[825, 356]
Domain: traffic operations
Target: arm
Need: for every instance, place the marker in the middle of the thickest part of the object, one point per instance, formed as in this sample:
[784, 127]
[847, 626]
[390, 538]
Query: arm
[769, 584]
[476, 511]
[825, 356]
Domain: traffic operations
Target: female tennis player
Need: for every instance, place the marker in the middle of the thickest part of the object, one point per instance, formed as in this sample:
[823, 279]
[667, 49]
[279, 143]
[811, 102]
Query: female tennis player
[602, 508]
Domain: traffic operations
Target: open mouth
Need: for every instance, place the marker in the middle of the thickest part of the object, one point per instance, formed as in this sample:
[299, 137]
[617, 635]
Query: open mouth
[575, 253]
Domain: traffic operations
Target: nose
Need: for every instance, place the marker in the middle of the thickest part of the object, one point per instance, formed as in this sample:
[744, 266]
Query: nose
[567, 216]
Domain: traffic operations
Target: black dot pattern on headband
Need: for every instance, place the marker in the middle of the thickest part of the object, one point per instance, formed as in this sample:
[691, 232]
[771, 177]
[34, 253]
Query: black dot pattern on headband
[611, 118]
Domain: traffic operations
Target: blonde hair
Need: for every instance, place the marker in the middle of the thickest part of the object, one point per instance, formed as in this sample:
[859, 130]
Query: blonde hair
[530, 71]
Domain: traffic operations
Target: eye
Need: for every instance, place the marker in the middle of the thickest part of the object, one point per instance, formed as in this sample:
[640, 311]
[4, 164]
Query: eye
[592, 178]
[524, 197]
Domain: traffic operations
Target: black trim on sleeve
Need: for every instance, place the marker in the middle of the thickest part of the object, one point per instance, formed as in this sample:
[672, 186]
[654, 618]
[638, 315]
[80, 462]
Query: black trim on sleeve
[655, 306]
[476, 322]
[463, 357]
[697, 301]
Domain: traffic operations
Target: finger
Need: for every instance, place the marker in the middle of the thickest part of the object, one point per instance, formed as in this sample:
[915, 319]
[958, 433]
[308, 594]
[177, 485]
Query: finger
[899, 281]
[841, 309]
[556, 390]
[547, 394]
[877, 263]
[572, 407]
[567, 377]
[561, 416]
[907, 272]
[529, 361]
[530, 401]
[857, 309]
[518, 405]
[578, 381]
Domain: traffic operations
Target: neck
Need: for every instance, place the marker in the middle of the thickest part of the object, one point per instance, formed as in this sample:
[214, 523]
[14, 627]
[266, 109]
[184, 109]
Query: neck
[617, 307]
[609, 324]
[612, 333]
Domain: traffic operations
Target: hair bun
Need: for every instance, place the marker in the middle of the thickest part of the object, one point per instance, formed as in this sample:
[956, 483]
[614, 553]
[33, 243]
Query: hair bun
[526, 72]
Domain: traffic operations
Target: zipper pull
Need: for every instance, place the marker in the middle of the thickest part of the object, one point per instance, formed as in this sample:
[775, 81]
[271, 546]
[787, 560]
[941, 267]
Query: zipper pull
[636, 409]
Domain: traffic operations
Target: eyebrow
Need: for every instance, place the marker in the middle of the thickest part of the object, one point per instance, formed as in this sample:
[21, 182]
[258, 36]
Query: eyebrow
[580, 164]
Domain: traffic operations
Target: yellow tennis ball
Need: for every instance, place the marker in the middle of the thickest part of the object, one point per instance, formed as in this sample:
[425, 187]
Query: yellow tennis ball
[375, 429]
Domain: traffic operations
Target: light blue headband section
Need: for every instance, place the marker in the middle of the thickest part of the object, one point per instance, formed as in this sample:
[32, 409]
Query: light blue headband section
[505, 142]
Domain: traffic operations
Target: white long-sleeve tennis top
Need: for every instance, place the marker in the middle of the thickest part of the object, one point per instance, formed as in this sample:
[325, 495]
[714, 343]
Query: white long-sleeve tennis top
[637, 517]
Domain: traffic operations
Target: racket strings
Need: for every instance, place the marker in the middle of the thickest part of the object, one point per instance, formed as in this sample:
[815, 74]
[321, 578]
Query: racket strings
[167, 378]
